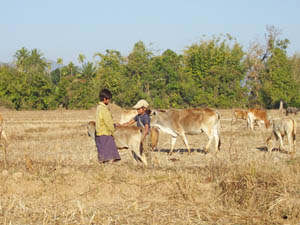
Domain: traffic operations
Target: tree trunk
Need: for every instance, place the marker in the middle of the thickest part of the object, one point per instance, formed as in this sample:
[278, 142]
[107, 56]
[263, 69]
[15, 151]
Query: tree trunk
[281, 106]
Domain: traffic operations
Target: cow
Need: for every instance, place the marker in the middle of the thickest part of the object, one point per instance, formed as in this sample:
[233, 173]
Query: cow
[239, 114]
[188, 121]
[283, 127]
[4, 137]
[125, 137]
[258, 116]
[291, 110]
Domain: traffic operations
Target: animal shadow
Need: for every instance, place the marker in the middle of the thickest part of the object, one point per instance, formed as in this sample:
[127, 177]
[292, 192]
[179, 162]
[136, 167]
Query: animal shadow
[180, 150]
[265, 149]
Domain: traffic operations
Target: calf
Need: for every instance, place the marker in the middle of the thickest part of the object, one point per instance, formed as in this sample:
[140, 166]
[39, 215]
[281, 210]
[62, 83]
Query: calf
[127, 115]
[125, 137]
[281, 128]
[188, 121]
[258, 115]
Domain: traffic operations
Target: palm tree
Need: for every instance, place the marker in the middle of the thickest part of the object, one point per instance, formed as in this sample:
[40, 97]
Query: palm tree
[36, 62]
[89, 70]
[59, 61]
[21, 56]
[81, 58]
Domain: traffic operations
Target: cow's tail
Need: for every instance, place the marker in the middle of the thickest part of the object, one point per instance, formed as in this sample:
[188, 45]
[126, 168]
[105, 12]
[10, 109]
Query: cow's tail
[294, 130]
[218, 119]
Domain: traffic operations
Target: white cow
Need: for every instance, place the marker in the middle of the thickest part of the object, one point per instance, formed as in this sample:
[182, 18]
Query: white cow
[188, 121]
[283, 127]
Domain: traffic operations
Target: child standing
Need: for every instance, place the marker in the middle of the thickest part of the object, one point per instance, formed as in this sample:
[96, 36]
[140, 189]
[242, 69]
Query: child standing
[106, 146]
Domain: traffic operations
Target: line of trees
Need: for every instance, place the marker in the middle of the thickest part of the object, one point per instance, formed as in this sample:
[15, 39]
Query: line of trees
[214, 73]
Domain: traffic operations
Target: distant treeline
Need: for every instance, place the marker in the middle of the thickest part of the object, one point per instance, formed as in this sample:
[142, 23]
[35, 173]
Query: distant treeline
[215, 73]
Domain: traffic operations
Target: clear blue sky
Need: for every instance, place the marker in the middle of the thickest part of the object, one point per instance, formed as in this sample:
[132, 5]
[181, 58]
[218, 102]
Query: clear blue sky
[65, 28]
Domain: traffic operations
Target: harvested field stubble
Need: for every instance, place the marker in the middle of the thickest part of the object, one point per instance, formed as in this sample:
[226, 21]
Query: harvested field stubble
[53, 177]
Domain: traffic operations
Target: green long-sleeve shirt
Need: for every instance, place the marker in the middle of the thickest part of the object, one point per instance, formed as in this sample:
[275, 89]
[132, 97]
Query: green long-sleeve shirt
[104, 121]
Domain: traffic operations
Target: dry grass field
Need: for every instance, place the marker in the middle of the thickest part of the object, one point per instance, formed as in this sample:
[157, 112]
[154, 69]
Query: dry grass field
[52, 177]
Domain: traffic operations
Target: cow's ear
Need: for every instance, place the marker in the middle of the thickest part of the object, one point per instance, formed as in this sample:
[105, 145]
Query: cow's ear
[161, 110]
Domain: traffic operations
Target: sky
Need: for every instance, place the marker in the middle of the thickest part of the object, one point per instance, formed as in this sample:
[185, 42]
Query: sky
[66, 28]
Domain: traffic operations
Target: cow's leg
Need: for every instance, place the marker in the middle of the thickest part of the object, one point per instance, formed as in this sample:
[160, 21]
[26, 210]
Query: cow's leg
[172, 144]
[217, 139]
[250, 123]
[291, 143]
[210, 135]
[137, 152]
[270, 142]
[278, 134]
[186, 142]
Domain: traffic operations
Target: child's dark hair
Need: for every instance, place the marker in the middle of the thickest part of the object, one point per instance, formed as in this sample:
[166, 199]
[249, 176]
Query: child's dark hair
[105, 93]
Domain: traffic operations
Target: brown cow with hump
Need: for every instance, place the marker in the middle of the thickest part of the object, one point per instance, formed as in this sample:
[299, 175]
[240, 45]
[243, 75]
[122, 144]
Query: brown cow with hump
[179, 122]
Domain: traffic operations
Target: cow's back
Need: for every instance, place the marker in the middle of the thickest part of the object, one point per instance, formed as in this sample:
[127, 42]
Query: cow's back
[284, 125]
[240, 114]
[193, 120]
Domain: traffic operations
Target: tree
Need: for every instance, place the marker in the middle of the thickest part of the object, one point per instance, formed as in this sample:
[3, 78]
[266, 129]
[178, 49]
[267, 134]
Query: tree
[35, 63]
[21, 56]
[138, 72]
[277, 79]
[59, 61]
[111, 75]
[88, 71]
[81, 58]
[218, 69]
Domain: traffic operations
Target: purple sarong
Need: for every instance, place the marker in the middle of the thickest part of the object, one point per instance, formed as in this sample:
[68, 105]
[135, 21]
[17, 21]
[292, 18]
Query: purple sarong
[107, 149]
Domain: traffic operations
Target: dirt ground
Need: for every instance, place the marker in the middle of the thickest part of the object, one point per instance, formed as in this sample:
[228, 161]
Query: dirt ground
[53, 177]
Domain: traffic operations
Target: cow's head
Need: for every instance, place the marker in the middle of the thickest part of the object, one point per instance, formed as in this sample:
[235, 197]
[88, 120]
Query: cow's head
[154, 115]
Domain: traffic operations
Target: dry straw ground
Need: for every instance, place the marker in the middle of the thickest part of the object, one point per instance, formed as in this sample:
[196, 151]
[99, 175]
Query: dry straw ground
[53, 177]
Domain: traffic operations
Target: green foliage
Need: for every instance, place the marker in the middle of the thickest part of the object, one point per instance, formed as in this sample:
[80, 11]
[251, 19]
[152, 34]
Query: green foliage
[277, 79]
[211, 73]
[26, 90]
[218, 71]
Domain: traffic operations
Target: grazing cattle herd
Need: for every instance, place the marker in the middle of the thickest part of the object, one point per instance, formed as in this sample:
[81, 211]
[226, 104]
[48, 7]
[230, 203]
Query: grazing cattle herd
[182, 122]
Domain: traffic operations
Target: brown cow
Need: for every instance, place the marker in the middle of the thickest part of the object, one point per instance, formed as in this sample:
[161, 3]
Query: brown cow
[281, 128]
[125, 137]
[258, 115]
[239, 114]
[188, 121]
